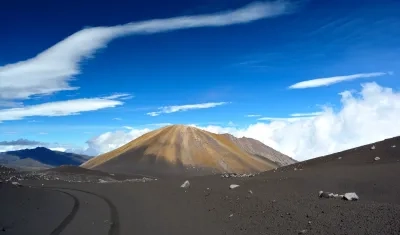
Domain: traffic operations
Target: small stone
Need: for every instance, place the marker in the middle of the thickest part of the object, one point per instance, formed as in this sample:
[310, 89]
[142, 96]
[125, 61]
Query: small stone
[323, 194]
[233, 186]
[393, 146]
[251, 192]
[16, 184]
[373, 147]
[303, 231]
[309, 222]
[377, 158]
[350, 196]
[295, 169]
[231, 215]
[339, 158]
[186, 184]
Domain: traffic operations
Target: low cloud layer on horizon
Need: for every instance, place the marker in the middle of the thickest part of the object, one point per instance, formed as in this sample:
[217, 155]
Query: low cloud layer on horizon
[368, 116]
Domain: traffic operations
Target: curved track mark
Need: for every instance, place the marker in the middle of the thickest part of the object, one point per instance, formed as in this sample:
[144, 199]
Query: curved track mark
[69, 217]
[114, 217]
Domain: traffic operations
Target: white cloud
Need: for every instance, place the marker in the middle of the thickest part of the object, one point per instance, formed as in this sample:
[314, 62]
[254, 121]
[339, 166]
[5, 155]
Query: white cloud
[253, 115]
[7, 148]
[60, 149]
[122, 96]
[332, 80]
[287, 119]
[111, 140]
[305, 114]
[53, 69]
[58, 108]
[9, 104]
[117, 119]
[28, 144]
[182, 108]
[365, 117]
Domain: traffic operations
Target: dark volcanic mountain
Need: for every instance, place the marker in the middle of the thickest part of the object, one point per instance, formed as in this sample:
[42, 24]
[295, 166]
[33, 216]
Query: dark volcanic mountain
[182, 150]
[39, 158]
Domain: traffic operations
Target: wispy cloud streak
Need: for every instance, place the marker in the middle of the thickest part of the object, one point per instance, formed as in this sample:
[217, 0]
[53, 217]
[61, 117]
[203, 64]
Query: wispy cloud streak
[181, 108]
[319, 82]
[253, 115]
[53, 69]
[58, 108]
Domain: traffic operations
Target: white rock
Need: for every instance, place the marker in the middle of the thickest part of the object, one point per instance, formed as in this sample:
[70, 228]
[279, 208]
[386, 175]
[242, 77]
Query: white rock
[186, 184]
[230, 215]
[393, 146]
[377, 158]
[350, 196]
[232, 186]
[373, 147]
[16, 184]
[251, 192]
[339, 158]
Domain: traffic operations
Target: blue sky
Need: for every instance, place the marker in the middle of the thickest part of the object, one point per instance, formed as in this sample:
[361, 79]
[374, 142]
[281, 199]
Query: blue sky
[246, 68]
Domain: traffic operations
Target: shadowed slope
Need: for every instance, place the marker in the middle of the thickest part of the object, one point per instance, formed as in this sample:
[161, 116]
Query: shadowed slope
[179, 150]
[40, 158]
[255, 147]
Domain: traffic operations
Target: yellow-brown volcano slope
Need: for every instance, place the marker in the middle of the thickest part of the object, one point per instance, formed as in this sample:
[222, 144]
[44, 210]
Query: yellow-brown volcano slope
[179, 150]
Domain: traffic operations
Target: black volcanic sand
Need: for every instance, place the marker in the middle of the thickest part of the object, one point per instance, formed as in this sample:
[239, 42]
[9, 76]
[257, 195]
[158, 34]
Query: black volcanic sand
[282, 202]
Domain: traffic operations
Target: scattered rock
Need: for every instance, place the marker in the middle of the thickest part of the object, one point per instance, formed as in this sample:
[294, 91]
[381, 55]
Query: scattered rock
[227, 175]
[16, 184]
[350, 196]
[186, 184]
[377, 158]
[323, 194]
[233, 186]
[303, 231]
[373, 147]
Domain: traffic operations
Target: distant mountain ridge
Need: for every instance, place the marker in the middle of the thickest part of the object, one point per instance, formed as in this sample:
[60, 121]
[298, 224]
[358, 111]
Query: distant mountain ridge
[40, 158]
[185, 150]
[256, 147]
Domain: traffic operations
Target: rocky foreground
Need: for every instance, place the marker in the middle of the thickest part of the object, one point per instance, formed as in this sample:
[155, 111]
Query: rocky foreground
[303, 198]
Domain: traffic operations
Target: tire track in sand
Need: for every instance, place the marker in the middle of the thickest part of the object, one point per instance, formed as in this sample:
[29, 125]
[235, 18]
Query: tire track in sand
[114, 217]
[69, 217]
